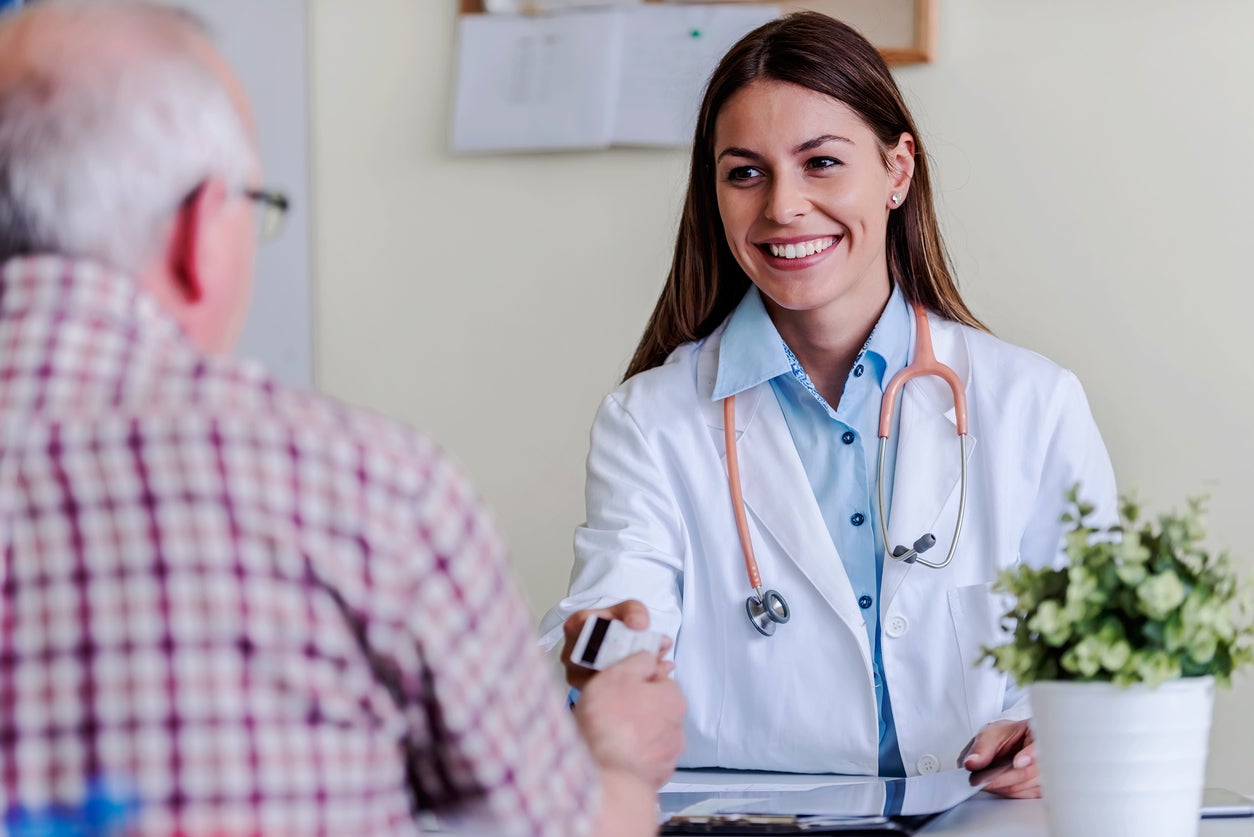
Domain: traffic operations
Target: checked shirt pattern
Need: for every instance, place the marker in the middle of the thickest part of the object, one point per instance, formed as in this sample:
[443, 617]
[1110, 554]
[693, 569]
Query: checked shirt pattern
[263, 612]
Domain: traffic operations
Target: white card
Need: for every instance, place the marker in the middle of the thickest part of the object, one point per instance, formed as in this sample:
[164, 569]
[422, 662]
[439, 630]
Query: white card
[603, 642]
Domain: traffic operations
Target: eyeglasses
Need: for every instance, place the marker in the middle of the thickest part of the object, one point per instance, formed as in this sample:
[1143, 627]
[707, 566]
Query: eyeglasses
[272, 207]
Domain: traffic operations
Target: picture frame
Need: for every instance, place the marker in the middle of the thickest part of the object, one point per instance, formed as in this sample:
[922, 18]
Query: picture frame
[904, 31]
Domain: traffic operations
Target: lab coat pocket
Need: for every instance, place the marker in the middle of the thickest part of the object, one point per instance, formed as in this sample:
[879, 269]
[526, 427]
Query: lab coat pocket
[977, 613]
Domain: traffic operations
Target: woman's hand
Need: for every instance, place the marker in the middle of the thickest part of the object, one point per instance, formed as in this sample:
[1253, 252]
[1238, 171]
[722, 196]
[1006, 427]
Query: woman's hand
[1003, 754]
[631, 613]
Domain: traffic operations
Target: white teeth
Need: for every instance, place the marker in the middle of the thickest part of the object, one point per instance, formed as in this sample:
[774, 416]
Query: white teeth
[800, 251]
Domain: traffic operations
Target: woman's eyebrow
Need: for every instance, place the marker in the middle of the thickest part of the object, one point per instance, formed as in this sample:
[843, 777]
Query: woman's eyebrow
[808, 145]
[736, 151]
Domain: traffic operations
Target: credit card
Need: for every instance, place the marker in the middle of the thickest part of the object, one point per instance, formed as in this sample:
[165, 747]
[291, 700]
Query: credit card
[603, 642]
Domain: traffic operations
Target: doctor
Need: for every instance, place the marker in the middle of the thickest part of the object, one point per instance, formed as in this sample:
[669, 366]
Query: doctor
[807, 235]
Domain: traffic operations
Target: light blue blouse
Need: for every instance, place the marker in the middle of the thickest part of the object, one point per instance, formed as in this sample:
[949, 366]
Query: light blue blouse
[838, 448]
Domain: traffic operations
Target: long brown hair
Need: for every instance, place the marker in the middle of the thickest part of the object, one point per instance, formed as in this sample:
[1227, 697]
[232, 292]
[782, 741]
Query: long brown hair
[816, 52]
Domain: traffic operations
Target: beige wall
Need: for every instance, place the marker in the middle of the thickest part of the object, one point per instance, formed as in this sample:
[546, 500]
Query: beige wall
[1094, 166]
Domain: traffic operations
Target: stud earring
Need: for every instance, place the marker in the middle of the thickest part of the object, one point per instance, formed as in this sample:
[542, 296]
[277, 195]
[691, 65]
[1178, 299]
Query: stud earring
[896, 199]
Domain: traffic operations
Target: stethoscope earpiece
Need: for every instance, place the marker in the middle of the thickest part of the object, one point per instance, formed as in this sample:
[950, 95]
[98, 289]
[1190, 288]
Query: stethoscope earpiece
[923, 544]
[767, 612]
[906, 554]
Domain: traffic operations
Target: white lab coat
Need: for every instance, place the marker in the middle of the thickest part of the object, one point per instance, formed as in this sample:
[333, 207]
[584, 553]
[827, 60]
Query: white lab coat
[660, 529]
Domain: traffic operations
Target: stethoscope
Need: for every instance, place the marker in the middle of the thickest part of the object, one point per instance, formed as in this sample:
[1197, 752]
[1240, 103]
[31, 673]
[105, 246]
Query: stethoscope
[767, 608]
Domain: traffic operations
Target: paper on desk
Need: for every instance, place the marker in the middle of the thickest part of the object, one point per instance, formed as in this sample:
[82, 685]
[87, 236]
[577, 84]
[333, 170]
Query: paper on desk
[669, 54]
[860, 798]
[748, 788]
[869, 797]
[528, 83]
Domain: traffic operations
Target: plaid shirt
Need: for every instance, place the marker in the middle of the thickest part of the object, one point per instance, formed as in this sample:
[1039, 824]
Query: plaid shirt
[264, 613]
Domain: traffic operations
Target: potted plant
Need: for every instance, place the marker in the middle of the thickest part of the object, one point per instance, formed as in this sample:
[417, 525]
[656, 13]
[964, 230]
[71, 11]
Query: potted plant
[1121, 650]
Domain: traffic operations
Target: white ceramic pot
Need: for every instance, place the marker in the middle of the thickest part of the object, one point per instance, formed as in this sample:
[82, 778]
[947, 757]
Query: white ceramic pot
[1122, 761]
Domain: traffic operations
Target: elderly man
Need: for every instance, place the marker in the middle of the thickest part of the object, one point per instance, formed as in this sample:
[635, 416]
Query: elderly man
[258, 611]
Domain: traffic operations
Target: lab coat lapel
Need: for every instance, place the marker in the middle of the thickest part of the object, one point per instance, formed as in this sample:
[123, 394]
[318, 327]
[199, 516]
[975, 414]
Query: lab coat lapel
[776, 492]
[927, 471]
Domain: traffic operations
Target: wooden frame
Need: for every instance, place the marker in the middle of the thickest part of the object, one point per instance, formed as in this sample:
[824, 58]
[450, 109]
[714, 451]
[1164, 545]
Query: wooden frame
[915, 47]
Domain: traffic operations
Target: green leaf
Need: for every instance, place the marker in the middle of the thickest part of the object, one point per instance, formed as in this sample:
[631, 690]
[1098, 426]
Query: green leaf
[1161, 594]
[1141, 602]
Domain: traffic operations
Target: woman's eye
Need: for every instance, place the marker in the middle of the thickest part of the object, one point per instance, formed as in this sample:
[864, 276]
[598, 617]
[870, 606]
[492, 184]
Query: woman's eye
[822, 163]
[740, 174]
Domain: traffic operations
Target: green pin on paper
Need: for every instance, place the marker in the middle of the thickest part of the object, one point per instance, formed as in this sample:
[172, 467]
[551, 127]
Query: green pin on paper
[695, 33]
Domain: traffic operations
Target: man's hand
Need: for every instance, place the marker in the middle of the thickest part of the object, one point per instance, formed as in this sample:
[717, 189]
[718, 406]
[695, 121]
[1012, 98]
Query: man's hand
[631, 715]
[631, 613]
[1004, 754]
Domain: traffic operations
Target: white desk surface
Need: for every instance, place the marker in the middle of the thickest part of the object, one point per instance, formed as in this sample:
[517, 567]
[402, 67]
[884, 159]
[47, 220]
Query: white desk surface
[986, 815]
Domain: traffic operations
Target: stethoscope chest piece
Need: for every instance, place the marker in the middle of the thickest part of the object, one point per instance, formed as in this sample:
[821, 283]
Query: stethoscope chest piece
[767, 612]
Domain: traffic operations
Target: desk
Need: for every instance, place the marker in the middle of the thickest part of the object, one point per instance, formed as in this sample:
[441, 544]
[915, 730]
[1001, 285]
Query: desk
[984, 815]
[990, 816]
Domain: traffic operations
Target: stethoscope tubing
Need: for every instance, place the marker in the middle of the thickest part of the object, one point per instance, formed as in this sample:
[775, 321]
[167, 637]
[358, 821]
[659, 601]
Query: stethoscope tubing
[737, 495]
[924, 364]
[912, 555]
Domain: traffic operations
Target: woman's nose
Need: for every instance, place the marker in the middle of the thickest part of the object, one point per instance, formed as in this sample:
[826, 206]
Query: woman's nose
[786, 201]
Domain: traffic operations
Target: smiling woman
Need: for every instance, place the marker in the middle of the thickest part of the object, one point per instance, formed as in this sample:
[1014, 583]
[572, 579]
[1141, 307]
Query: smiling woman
[775, 67]
[804, 192]
[808, 234]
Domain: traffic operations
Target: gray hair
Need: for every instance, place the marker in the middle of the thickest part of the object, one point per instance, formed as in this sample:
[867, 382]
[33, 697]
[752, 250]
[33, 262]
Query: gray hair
[103, 137]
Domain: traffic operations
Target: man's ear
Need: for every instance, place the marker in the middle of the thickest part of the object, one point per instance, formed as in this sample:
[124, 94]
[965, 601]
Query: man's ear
[191, 238]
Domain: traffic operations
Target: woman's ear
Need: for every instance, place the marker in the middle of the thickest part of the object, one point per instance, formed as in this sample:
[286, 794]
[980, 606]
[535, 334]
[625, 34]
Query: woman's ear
[191, 242]
[901, 166]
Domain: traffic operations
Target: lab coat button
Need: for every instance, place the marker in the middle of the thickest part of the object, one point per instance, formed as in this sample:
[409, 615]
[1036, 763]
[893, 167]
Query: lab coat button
[896, 626]
[929, 764]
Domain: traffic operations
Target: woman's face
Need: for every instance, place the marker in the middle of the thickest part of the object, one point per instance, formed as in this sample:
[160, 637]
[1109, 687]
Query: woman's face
[804, 195]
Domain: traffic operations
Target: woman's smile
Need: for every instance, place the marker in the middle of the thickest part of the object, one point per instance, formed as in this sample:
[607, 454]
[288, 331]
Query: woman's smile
[799, 252]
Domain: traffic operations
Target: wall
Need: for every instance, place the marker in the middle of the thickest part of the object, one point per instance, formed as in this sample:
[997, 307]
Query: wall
[267, 43]
[1094, 173]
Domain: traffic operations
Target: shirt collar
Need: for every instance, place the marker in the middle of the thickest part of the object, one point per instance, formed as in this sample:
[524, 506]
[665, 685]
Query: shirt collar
[77, 290]
[889, 343]
[752, 352]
